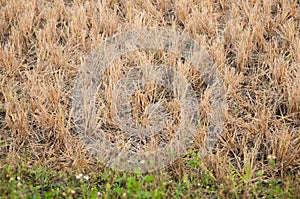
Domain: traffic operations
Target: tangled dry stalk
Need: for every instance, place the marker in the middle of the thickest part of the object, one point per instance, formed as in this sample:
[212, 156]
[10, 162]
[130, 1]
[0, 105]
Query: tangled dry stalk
[256, 45]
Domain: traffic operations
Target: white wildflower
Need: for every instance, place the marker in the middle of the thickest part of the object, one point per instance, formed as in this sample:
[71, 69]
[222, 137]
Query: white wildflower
[143, 161]
[272, 157]
[79, 176]
[86, 177]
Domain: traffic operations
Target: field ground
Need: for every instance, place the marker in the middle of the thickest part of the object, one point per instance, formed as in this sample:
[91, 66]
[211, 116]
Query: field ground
[256, 48]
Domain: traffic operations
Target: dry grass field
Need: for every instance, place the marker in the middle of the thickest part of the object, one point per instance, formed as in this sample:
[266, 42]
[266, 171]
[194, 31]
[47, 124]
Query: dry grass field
[254, 43]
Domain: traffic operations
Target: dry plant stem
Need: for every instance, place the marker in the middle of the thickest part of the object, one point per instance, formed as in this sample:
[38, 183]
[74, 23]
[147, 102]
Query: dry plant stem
[2, 108]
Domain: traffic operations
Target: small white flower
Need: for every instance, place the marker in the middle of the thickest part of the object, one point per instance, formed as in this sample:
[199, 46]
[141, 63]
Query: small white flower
[271, 157]
[86, 177]
[19, 184]
[79, 176]
[143, 161]
[18, 178]
[72, 191]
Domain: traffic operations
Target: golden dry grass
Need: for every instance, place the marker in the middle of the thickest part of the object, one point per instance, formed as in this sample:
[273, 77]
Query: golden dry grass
[256, 45]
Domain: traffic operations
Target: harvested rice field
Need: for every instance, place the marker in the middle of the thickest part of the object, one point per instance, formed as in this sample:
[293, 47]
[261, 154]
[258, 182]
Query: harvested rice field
[149, 99]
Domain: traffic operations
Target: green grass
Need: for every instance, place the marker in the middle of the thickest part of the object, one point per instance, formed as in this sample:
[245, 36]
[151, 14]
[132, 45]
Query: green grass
[25, 182]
